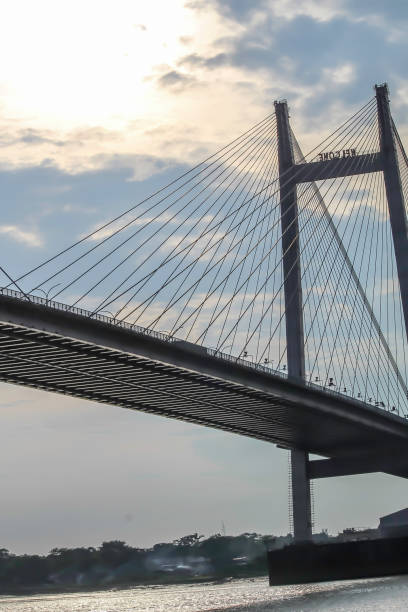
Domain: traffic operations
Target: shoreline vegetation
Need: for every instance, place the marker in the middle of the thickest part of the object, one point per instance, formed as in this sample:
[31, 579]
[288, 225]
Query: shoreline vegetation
[190, 559]
[116, 565]
[58, 589]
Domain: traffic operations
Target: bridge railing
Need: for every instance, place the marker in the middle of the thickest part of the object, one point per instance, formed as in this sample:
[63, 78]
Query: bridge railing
[160, 336]
[35, 299]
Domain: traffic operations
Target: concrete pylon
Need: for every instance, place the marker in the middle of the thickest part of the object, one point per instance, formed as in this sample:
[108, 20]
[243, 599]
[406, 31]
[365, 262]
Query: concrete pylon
[301, 503]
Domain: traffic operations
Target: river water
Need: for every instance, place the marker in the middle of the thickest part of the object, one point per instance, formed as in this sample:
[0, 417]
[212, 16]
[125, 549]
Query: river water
[254, 595]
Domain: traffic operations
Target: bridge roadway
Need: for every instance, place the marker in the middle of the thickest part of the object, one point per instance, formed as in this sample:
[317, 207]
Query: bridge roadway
[45, 346]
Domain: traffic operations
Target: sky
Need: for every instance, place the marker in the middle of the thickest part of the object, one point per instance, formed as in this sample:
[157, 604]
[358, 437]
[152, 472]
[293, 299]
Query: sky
[102, 103]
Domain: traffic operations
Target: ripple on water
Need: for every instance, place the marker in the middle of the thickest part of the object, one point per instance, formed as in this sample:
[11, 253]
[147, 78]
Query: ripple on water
[255, 595]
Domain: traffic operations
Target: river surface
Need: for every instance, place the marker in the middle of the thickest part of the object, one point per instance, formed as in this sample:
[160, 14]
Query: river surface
[254, 595]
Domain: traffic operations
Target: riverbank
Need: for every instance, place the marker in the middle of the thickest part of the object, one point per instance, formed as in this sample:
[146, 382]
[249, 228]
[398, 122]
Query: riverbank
[162, 582]
[188, 560]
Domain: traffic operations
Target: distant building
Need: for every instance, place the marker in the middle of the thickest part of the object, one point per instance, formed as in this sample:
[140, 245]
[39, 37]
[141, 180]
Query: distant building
[351, 534]
[395, 524]
[321, 537]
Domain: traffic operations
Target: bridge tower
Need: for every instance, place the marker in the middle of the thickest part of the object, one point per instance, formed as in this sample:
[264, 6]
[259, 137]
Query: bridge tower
[393, 189]
[290, 175]
[301, 504]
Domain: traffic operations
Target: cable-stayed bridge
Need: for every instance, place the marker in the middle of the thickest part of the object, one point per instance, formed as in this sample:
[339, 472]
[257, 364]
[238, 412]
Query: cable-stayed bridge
[263, 292]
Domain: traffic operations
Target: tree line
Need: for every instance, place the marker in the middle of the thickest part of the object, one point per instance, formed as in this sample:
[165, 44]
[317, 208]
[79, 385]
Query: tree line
[190, 557]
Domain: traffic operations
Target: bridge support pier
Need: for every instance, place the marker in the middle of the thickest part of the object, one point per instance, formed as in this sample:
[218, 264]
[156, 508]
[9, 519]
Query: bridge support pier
[301, 504]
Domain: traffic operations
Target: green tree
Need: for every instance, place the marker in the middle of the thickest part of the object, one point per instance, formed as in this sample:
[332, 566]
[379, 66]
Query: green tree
[115, 552]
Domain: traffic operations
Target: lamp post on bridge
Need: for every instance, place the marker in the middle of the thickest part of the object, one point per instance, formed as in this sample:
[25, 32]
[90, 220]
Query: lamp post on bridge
[113, 317]
[47, 293]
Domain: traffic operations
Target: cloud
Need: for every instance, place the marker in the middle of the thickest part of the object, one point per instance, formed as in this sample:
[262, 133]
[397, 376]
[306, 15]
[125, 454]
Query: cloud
[127, 221]
[193, 60]
[142, 166]
[175, 80]
[80, 150]
[215, 243]
[51, 190]
[245, 53]
[32, 137]
[31, 239]
[343, 74]
[323, 12]
[185, 40]
[234, 9]
[73, 150]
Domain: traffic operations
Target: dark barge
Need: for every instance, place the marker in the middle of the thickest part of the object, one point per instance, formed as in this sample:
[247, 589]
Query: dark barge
[314, 562]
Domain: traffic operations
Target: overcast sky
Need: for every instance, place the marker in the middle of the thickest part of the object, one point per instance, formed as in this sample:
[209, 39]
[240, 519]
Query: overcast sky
[101, 103]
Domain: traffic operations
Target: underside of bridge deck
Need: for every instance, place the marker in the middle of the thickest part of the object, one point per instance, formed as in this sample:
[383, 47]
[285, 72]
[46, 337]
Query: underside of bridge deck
[67, 353]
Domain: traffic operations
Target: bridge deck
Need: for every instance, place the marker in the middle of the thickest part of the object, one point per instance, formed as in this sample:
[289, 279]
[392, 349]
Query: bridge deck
[45, 347]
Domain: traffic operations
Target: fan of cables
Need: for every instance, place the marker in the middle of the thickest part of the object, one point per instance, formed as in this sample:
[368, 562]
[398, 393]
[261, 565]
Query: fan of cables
[201, 259]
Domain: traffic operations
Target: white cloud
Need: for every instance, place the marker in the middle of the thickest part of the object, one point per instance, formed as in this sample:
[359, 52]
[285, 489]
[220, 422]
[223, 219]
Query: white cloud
[320, 11]
[31, 239]
[343, 74]
[125, 222]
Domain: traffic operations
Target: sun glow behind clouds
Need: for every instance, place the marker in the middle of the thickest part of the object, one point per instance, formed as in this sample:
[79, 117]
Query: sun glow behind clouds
[94, 83]
[91, 84]
[77, 62]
